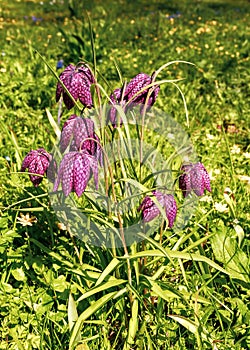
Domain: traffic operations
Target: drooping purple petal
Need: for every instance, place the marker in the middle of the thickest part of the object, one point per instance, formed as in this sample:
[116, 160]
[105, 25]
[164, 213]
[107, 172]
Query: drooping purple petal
[83, 129]
[74, 172]
[78, 81]
[75, 130]
[28, 159]
[81, 173]
[67, 173]
[170, 208]
[140, 81]
[37, 162]
[67, 132]
[194, 178]
[150, 209]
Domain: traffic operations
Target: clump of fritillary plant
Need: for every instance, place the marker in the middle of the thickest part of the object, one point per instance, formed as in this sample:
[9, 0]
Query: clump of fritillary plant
[82, 148]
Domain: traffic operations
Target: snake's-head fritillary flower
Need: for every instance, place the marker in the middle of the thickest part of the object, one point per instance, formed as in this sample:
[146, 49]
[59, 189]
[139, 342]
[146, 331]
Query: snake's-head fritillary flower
[74, 172]
[37, 162]
[139, 82]
[194, 178]
[79, 134]
[150, 209]
[133, 94]
[77, 80]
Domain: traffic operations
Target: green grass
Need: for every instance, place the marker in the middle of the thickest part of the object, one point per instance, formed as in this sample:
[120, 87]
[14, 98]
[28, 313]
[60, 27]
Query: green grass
[189, 290]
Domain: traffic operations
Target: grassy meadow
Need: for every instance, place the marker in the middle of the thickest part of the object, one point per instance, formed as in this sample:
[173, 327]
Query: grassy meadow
[185, 290]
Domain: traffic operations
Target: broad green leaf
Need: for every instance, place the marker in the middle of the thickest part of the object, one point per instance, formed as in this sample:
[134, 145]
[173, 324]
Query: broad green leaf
[227, 251]
[51, 253]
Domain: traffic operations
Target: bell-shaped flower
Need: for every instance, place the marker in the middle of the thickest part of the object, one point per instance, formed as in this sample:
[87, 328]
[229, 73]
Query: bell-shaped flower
[134, 94]
[138, 83]
[194, 178]
[77, 80]
[37, 162]
[79, 134]
[74, 172]
[150, 209]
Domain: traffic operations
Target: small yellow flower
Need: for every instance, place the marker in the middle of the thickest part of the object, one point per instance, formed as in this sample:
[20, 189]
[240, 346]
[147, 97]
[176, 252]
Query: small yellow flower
[26, 220]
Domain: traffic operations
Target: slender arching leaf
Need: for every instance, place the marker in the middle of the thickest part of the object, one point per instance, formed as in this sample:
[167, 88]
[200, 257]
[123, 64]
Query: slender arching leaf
[86, 314]
[102, 287]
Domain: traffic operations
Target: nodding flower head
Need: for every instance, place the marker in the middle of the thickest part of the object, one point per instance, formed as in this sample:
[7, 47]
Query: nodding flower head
[150, 209]
[74, 172]
[139, 82]
[37, 162]
[78, 133]
[77, 80]
[194, 178]
[134, 94]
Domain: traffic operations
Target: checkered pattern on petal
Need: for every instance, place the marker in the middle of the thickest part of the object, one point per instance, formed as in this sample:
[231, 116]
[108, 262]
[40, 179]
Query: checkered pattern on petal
[28, 159]
[84, 93]
[67, 132]
[65, 174]
[37, 162]
[136, 84]
[78, 81]
[83, 129]
[185, 180]
[170, 208]
[149, 209]
[81, 173]
[74, 172]
[140, 81]
[194, 178]
[205, 176]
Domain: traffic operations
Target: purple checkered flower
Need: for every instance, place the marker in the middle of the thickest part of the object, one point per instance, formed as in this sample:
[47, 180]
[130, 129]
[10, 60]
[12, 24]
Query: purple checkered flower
[75, 171]
[132, 92]
[194, 178]
[78, 81]
[150, 210]
[79, 133]
[37, 162]
[139, 82]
